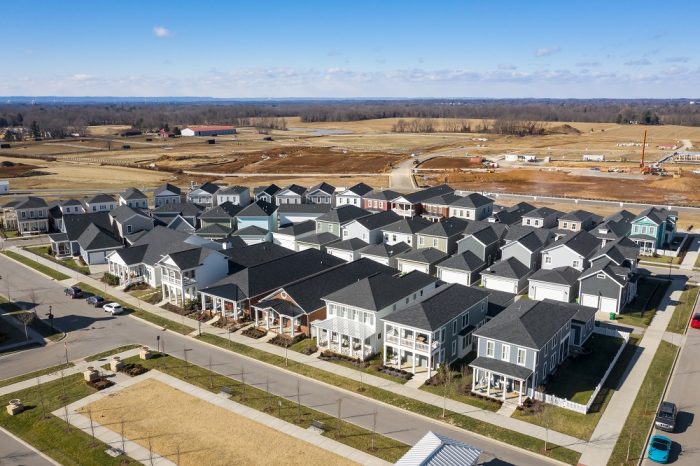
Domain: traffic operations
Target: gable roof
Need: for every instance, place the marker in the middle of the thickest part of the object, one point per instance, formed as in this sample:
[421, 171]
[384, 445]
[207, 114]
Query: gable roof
[343, 214]
[473, 201]
[378, 220]
[420, 196]
[528, 323]
[255, 254]
[235, 189]
[408, 226]
[226, 211]
[75, 225]
[513, 214]
[577, 215]
[619, 251]
[304, 208]
[297, 229]
[360, 189]
[167, 187]
[180, 223]
[209, 187]
[581, 242]
[295, 188]
[71, 202]
[124, 213]
[215, 229]
[656, 215]
[186, 209]
[442, 199]
[531, 241]
[27, 202]
[560, 275]
[352, 244]
[424, 255]
[132, 193]
[438, 309]
[269, 189]
[382, 195]
[516, 232]
[508, 268]
[252, 230]
[620, 275]
[320, 239]
[257, 209]
[154, 244]
[542, 212]
[498, 301]
[324, 187]
[94, 237]
[379, 291]
[189, 258]
[99, 198]
[467, 261]
[445, 228]
[437, 450]
[385, 250]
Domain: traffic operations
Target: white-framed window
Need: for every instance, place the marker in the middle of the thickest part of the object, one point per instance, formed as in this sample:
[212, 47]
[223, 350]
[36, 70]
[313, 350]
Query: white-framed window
[454, 347]
[527, 221]
[505, 353]
[544, 370]
[600, 275]
[554, 359]
[547, 259]
[464, 320]
[565, 225]
[454, 327]
[490, 348]
[442, 334]
[420, 241]
[575, 264]
[521, 357]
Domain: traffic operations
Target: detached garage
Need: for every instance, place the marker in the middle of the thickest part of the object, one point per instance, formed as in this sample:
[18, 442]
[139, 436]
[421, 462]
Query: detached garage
[348, 250]
[607, 287]
[508, 275]
[559, 284]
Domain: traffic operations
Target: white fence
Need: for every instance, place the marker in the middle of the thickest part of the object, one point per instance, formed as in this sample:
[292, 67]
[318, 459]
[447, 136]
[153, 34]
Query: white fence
[578, 407]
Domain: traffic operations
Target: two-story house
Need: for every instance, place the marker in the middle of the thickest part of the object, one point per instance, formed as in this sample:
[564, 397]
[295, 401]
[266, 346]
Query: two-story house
[379, 200]
[411, 205]
[614, 226]
[473, 206]
[352, 195]
[167, 194]
[28, 215]
[127, 221]
[333, 221]
[99, 203]
[236, 195]
[184, 272]
[573, 250]
[405, 230]
[438, 207]
[526, 245]
[654, 229]
[288, 236]
[297, 213]
[220, 221]
[434, 331]
[606, 286]
[292, 194]
[204, 195]
[482, 239]
[133, 198]
[542, 217]
[578, 220]
[321, 193]
[442, 235]
[260, 214]
[519, 348]
[266, 193]
[355, 313]
[368, 228]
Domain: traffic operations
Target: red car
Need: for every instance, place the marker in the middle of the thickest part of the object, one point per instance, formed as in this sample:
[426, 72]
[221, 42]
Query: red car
[695, 323]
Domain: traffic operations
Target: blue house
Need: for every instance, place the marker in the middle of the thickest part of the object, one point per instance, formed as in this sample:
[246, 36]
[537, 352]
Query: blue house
[654, 229]
[259, 214]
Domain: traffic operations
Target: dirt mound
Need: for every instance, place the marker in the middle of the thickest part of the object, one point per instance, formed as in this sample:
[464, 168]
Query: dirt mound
[563, 129]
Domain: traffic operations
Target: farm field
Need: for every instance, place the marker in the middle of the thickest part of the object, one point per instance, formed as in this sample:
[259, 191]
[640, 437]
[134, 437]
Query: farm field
[153, 411]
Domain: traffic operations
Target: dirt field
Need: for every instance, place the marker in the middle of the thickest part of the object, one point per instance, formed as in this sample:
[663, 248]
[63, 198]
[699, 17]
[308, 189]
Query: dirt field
[106, 130]
[206, 434]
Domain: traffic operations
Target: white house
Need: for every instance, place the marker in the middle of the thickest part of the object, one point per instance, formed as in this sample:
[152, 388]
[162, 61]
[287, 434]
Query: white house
[368, 228]
[100, 203]
[184, 272]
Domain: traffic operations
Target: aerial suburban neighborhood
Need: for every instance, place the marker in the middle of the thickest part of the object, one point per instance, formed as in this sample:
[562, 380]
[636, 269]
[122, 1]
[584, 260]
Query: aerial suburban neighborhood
[289, 234]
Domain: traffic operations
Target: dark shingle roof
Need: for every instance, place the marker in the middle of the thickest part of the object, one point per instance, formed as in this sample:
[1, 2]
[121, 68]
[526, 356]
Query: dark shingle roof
[513, 214]
[320, 239]
[577, 216]
[473, 201]
[655, 214]
[352, 244]
[298, 229]
[528, 323]
[269, 189]
[257, 209]
[542, 212]
[94, 237]
[190, 258]
[343, 214]
[385, 250]
[619, 274]
[186, 209]
[438, 309]
[620, 250]
[501, 367]
[445, 228]
[256, 254]
[408, 225]
[379, 291]
[360, 189]
[215, 229]
[385, 195]
[27, 202]
[561, 276]
[71, 202]
[98, 198]
[167, 187]
[427, 193]
[467, 261]
[508, 268]
[498, 301]
[295, 188]
[425, 255]
[581, 242]
[132, 193]
[378, 220]
[210, 187]
[442, 199]
[235, 189]
[516, 232]
[304, 208]
[75, 225]
[252, 230]
[225, 211]
[124, 213]
[323, 186]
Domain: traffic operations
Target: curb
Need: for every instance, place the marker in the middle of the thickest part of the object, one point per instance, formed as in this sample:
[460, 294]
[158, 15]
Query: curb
[30, 447]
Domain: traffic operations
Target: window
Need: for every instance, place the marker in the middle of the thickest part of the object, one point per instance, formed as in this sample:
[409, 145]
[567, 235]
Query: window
[527, 221]
[435, 242]
[575, 264]
[490, 348]
[420, 240]
[600, 275]
[521, 357]
[544, 370]
[454, 347]
[547, 259]
[407, 299]
[554, 360]
[505, 352]
[565, 225]
[442, 334]
[128, 228]
[464, 320]
[381, 204]
[454, 327]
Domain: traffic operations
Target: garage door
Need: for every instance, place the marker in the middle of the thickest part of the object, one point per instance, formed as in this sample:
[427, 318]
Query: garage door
[96, 257]
[345, 255]
[499, 285]
[411, 266]
[542, 292]
[589, 300]
[452, 276]
[608, 304]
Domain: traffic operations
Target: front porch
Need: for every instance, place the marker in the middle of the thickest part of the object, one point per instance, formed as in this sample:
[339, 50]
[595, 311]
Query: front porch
[127, 274]
[227, 308]
[412, 361]
[60, 245]
[500, 380]
[345, 337]
[279, 317]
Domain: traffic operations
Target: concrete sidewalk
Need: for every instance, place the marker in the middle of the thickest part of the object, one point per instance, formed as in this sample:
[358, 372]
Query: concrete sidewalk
[691, 256]
[490, 417]
[605, 436]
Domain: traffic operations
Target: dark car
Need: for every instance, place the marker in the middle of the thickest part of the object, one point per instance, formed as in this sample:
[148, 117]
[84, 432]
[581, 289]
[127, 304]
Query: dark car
[74, 292]
[666, 417]
[97, 301]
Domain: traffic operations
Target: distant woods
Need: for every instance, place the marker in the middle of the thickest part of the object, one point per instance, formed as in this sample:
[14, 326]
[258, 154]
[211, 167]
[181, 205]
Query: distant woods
[507, 116]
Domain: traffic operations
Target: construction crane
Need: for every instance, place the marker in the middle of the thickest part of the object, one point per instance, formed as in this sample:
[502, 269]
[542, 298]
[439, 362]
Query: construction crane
[644, 145]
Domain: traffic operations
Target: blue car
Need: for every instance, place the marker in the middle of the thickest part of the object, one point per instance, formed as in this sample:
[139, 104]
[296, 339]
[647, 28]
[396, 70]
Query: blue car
[659, 449]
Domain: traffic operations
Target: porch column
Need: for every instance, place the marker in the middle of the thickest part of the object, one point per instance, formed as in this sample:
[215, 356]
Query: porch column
[293, 323]
[505, 384]
[488, 383]
[256, 316]
[204, 302]
[414, 356]
[520, 394]
[281, 317]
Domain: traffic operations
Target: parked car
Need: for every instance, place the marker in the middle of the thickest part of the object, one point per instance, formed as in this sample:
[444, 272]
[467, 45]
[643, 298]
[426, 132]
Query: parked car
[695, 323]
[97, 301]
[74, 292]
[666, 417]
[659, 449]
[114, 308]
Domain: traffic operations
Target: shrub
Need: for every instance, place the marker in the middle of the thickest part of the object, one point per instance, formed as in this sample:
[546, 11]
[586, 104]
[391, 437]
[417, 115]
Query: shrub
[254, 332]
[133, 370]
[110, 279]
[100, 383]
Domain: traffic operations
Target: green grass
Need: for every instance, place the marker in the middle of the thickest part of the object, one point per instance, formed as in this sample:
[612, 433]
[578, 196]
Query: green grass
[50, 435]
[149, 295]
[459, 386]
[489, 430]
[650, 292]
[46, 270]
[11, 233]
[32, 375]
[661, 259]
[140, 313]
[641, 417]
[372, 369]
[70, 263]
[582, 425]
[344, 432]
[106, 354]
[303, 344]
[577, 377]
[681, 315]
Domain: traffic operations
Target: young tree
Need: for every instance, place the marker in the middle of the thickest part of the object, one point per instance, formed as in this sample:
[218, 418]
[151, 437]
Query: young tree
[26, 318]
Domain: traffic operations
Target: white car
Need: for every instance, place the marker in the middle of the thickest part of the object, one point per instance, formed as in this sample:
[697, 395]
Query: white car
[114, 308]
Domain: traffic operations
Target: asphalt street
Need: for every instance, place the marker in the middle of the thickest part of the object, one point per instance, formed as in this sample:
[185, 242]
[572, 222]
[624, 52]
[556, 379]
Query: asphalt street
[90, 331]
[14, 453]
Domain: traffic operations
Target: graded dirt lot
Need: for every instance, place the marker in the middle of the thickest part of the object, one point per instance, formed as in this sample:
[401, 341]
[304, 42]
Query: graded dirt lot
[205, 434]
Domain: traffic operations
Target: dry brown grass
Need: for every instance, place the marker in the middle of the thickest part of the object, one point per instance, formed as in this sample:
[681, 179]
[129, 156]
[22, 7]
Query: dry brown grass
[106, 130]
[206, 434]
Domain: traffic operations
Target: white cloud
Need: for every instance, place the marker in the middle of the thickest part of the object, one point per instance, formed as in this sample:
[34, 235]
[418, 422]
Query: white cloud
[160, 31]
[640, 62]
[547, 51]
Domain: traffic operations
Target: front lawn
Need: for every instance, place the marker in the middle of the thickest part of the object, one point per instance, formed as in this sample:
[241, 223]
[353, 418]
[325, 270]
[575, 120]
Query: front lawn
[576, 424]
[373, 368]
[650, 292]
[681, 315]
[661, 259]
[70, 262]
[48, 433]
[641, 416]
[307, 344]
[46, 270]
[38, 325]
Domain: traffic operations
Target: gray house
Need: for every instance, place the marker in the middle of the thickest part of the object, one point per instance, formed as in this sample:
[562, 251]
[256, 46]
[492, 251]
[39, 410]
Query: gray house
[573, 251]
[461, 268]
[321, 193]
[134, 198]
[332, 221]
[509, 275]
[512, 215]
[560, 284]
[236, 195]
[483, 240]
[128, 221]
[442, 235]
[519, 348]
[437, 330]
[292, 194]
[369, 228]
[527, 248]
[607, 287]
[166, 194]
[266, 193]
[543, 217]
[204, 195]
[473, 206]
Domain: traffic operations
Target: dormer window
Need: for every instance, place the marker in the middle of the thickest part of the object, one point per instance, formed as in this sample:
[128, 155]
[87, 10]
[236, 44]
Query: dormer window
[600, 275]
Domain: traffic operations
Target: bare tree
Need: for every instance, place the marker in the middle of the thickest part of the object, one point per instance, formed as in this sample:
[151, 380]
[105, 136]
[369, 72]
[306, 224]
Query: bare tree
[26, 317]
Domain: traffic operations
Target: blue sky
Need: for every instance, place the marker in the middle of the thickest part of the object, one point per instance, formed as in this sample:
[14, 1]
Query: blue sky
[352, 48]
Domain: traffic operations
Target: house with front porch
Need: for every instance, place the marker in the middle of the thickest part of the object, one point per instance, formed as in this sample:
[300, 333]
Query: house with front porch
[519, 348]
[204, 195]
[133, 198]
[28, 215]
[234, 294]
[293, 308]
[292, 194]
[265, 193]
[91, 236]
[236, 195]
[411, 205]
[473, 206]
[355, 313]
[321, 193]
[654, 229]
[438, 207]
[183, 272]
[333, 221]
[436, 330]
[442, 235]
[99, 203]
[166, 194]
[352, 195]
[378, 200]
[369, 227]
[405, 230]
